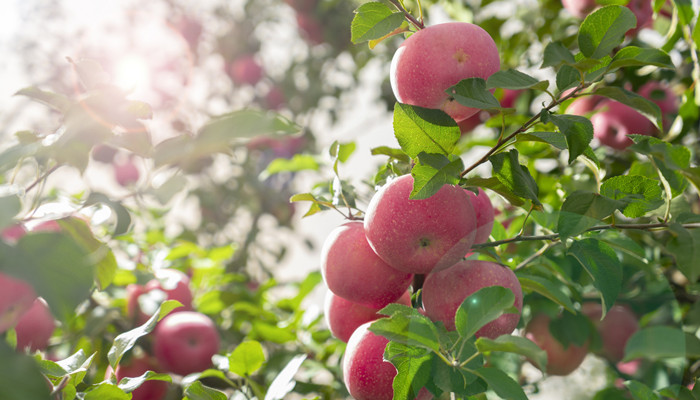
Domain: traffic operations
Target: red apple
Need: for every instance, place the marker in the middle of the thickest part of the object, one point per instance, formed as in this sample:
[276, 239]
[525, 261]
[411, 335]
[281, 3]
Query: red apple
[16, 297]
[484, 215]
[444, 292]
[614, 121]
[137, 366]
[13, 233]
[310, 27]
[661, 94]
[126, 173]
[367, 376]
[417, 236]
[509, 97]
[353, 271]
[185, 342]
[438, 57]
[468, 124]
[560, 361]
[584, 106]
[344, 316]
[302, 6]
[169, 284]
[615, 329]
[35, 327]
[103, 153]
[245, 70]
[275, 98]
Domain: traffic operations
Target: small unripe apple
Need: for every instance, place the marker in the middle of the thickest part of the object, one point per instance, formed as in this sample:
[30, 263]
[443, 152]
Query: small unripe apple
[245, 70]
[560, 361]
[137, 366]
[35, 327]
[484, 215]
[619, 324]
[614, 121]
[185, 342]
[444, 292]
[16, 298]
[353, 271]
[417, 236]
[437, 57]
[126, 173]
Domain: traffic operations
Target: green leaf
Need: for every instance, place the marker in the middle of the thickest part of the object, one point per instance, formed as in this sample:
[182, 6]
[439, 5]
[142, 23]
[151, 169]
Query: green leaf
[458, 380]
[20, 377]
[407, 326]
[10, 206]
[655, 343]
[514, 176]
[602, 264]
[577, 130]
[582, 210]
[396, 154]
[645, 106]
[56, 101]
[122, 216]
[685, 11]
[197, 391]
[482, 307]
[556, 139]
[504, 386]
[413, 365]
[340, 152]
[299, 162]
[684, 246]
[420, 129]
[130, 384]
[633, 56]
[641, 391]
[604, 29]
[515, 80]
[273, 333]
[432, 172]
[75, 365]
[639, 194]
[567, 77]
[495, 184]
[516, 345]
[472, 92]
[374, 20]
[106, 391]
[224, 128]
[246, 358]
[284, 383]
[675, 157]
[551, 289]
[556, 54]
[571, 329]
[99, 252]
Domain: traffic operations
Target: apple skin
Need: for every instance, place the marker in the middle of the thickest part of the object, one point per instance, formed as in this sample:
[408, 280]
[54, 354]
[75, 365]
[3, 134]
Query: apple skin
[661, 94]
[353, 271]
[615, 329]
[35, 327]
[137, 366]
[310, 28]
[344, 316]
[245, 70]
[615, 120]
[484, 215]
[126, 173]
[560, 361]
[13, 233]
[584, 105]
[418, 236]
[435, 58]
[16, 297]
[185, 342]
[103, 153]
[174, 285]
[444, 292]
[579, 8]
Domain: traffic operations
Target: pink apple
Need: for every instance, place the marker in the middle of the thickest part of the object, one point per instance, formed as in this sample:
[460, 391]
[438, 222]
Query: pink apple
[16, 297]
[417, 236]
[103, 153]
[579, 8]
[35, 327]
[353, 271]
[615, 329]
[344, 316]
[302, 6]
[614, 121]
[560, 361]
[444, 292]
[13, 233]
[509, 97]
[467, 125]
[137, 366]
[484, 215]
[169, 284]
[367, 376]
[48, 226]
[175, 284]
[310, 27]
[438, 57]
[126, 173]
[584, 105]
[275, 98]
[245, 70]
[661, 94]
[185, 342]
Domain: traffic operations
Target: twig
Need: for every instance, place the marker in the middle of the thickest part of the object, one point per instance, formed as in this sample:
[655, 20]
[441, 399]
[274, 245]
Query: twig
[42, 177]
[409, 17]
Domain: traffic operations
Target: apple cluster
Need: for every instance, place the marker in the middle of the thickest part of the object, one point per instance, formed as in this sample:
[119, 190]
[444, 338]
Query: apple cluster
[367, 265]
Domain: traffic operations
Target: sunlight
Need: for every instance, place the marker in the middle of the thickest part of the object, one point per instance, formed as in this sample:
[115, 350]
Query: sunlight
[132, 73]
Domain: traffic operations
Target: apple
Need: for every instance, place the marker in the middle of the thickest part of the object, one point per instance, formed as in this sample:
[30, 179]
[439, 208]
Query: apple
[310, 27]
[484, 215]
[47, 226]
[190, 29]
[13, 233]
[35, 327]
[169, 284]
[302, 6]
[560, 361]
[245, 70]
[615, 329]
[16, 297]
[444, 292]
[417, 236]
[126, 173]
[365, 373]
[137, 366]
[103, 153]
[275, 98]
[344, 316]
[579, 8]
[661, 94]
[642, 10]
[354, 272]
[509, 97]
[185, 342]
[437, 57]
[584, 105]
[614, 121]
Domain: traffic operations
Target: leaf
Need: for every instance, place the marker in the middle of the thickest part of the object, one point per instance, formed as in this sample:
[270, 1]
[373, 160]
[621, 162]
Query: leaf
[197, 391]
[407, 326]
[396, 154]
[604, 29]
[222, 129]
[645, 106]
[130, 384]
[76, 365]
[482, 307]
[432, 172]
[516, 345]
[602, 264]
[99, 252]
[472, 92]
[571, 329]
[374, 20]
[413, 365]
[556, 139]
[273, 333]
[582, 210]
[685, 11]
[514, 176]
[578, 131]
[105, 391]
[550, 289]
[20, 377]
[556, 54]
[420, 129]
[567, 77]
[494, 184]
[455, 379]
[10, 206]
[56, 101]
[639, 194]
[641, 391]
[246, 358]
[504, 386]
[299, 162]
[655, 343]
[675, 157]
[123, 218]
[515, 80]
[633, 56]
[340, 152]
[316, 204]
[284, 381]
[684, 246]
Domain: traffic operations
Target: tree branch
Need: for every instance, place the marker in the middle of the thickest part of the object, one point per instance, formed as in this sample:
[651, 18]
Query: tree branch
[409, 17]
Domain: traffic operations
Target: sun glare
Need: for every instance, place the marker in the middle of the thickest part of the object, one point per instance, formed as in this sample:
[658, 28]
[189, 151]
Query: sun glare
[132, 73]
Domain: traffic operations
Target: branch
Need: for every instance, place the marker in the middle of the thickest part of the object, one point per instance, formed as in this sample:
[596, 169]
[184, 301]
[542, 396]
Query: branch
[42, 177]
[409, 17]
